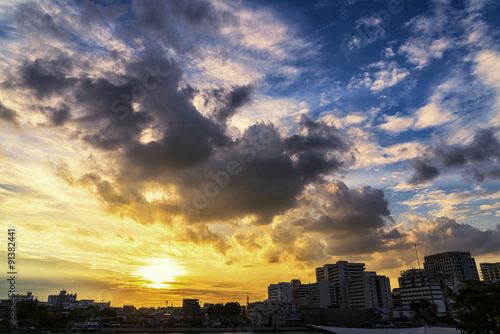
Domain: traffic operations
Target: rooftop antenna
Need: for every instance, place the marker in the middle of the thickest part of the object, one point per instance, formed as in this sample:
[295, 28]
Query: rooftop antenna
[416, 252]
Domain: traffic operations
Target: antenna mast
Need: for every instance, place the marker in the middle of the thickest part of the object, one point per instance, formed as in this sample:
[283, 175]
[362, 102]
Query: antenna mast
[416, 252]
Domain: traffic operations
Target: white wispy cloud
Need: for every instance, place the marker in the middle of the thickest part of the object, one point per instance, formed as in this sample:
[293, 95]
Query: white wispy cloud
[387, 74]
[397, 123]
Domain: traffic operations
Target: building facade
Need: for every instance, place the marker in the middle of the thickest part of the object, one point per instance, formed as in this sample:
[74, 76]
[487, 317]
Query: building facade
[299, 291]
[369, 291]
[490, 271]
[461, 265]
[321, 294]
[417, 284]
[338, 274]
[281, 292]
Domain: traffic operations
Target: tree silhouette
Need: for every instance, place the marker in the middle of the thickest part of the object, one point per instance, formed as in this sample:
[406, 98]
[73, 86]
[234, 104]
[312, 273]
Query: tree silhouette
[476, 307]
[425, 311]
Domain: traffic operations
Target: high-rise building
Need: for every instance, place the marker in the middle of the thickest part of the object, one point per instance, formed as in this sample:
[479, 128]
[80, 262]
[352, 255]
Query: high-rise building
[490, 271]
[461, 265]
[281, 292]
[369, 291]
[321, 294]
[417, 284]
[338, 273]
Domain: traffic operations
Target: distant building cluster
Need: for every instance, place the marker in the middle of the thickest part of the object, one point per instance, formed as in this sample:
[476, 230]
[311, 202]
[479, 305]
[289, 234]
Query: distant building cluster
[348, 286]
[344, 294]
[69, 302]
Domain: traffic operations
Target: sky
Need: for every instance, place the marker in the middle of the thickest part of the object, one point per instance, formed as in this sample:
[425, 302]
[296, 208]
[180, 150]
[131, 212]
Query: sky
[157, 150]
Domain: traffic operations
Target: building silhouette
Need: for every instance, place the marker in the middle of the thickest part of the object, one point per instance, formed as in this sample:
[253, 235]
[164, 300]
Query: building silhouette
[339, 273]
[62, 298]
[192, 312]
[418, 284]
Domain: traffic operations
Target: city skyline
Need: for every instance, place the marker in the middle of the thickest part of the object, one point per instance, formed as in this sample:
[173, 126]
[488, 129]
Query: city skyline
[490, 268]
[154, 151]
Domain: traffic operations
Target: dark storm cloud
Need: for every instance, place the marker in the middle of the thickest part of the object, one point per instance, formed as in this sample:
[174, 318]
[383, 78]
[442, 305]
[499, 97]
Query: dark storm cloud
[423, 171]
[229, 101]
[394, 234]
[350, 211]
[348, 221]
[148, 96]
[103, 107]
[164, 20]
[46, 76]
[450, 235]
[319, 137]
[8, 115]
[60, 116]
[477, 160]
[270, 177]
[483, 147]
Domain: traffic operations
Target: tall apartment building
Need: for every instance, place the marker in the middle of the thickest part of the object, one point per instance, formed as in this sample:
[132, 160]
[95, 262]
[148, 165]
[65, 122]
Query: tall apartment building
[490, 271]
[461, 265]
[416, 284]
[338, 273]
[369, 291]
[321, 294]
[281, 292]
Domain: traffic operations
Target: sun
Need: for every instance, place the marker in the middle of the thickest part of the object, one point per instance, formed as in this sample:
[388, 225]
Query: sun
[159, 273]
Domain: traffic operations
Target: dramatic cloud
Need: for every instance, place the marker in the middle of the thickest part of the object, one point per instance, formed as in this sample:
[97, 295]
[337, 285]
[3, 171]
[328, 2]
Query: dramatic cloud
[478, 159]
[423, 172]
[443, 234]
[333, 220]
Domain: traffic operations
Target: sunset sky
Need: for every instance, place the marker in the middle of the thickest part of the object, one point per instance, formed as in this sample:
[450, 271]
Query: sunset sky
[157, 150]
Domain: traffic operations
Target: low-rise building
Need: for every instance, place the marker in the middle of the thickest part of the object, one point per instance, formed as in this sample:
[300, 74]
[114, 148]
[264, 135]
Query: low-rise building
[27, 297]
[274, 314]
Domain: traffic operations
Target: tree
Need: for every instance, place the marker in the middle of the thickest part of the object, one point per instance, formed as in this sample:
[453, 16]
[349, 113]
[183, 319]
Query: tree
[232, 308]
[476, 307]
[108, 312]
[425, 311]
